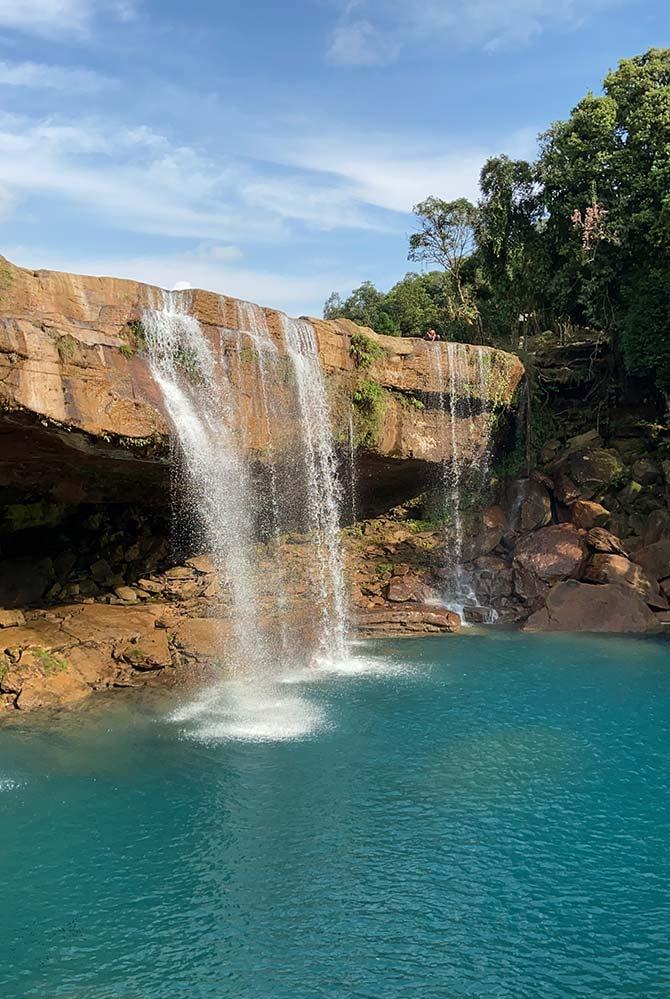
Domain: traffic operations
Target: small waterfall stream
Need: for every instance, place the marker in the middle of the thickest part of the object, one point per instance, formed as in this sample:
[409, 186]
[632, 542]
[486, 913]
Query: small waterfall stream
[461, 387]
[323, 488]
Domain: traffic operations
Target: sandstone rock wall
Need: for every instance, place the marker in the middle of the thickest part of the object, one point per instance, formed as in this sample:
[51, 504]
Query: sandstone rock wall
[81, 418]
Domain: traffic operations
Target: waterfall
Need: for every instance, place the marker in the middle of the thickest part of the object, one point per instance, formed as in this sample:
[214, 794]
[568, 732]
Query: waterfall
[322, 486]
[253, 324]
[219, 488]
[353, 484]
[459, 428]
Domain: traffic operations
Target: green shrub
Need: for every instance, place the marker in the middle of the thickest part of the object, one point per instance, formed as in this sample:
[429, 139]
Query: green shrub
[369, 402]
[49, 661]
[365, 351]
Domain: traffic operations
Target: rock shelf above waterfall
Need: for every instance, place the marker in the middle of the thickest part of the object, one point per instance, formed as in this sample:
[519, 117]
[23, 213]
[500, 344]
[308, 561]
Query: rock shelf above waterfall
[82, 420]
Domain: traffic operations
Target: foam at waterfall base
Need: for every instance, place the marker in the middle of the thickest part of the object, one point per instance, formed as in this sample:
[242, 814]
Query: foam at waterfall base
[350, 665]
[249, 711]
[257, 710]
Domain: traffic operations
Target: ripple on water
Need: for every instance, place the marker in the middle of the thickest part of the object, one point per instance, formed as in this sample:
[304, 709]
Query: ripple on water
[9, 784]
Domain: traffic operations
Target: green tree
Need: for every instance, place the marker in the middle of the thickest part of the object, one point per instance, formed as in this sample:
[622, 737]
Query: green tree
[446, 236]
[606, 181]
[508, 245]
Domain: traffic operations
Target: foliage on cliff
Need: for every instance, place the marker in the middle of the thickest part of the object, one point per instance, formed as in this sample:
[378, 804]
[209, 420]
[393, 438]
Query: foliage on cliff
[580, 238]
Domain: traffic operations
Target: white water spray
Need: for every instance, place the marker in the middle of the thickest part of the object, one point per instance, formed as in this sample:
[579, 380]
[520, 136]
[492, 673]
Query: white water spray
[219, 489]
[464, 457]
[323, 489]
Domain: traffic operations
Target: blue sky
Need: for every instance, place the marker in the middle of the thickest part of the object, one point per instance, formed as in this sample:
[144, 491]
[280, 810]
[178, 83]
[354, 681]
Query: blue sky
[273, 150]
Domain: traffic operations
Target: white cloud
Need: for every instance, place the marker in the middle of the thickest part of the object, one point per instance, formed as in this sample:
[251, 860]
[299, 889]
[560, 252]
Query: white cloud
[138, 180]
[204, 267]
[375, 170]
[39, 76]
[132, 178]
[490, 24]
[59, 17]
[359, 43]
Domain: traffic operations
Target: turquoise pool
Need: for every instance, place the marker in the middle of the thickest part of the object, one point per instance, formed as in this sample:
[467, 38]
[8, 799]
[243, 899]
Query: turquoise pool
[471, 817]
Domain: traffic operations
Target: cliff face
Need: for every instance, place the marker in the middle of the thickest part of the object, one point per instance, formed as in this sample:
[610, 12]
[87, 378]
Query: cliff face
[81, 418]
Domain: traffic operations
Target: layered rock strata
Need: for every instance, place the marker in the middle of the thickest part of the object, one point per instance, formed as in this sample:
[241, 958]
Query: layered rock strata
[81, 419]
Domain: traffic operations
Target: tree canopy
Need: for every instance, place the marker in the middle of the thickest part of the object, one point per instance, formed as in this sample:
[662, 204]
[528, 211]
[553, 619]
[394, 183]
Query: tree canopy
[581, 236]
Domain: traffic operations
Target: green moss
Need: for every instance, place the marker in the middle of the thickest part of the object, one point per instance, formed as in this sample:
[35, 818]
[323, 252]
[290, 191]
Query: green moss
[136, 328]
[68, 348]
[135, 652]
[187, 360]
[365, 351]
[248, 355]
[369, 402]
[384, 568]
[409, 401]
[136, 338]
[21, 516]
[49, 661]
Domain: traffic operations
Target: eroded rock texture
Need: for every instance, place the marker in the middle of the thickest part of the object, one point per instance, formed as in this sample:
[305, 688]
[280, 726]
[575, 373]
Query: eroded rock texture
[81, 419]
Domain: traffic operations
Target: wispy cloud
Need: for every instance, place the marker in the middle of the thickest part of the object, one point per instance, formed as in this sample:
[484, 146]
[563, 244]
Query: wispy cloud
[138, 180]
[375, 170]
[39, 76]
[374, 31]
[59, 17]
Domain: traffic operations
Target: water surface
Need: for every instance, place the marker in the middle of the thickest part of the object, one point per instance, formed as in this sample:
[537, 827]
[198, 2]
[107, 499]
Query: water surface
[468, 817]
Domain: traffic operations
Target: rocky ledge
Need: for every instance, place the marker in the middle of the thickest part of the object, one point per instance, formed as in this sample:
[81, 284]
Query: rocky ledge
[81, 419]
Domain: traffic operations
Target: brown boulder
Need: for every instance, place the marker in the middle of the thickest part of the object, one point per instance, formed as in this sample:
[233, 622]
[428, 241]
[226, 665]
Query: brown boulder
[149, 651]
[656, 526]
[604, 541]
[200, 636]
[565, 490]
[527, 505]
[587, 514]
[552, 553]
[408, 619]
[52, 690]
[646, 472]
[408, 588]
[482, 534]
[604, 568]
[575, 606]
[592, 472]
[11, 618]
[528, 587]
[655, 559]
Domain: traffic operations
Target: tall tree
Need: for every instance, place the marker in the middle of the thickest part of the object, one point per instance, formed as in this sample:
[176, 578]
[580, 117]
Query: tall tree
[446, 236]
[606, 178]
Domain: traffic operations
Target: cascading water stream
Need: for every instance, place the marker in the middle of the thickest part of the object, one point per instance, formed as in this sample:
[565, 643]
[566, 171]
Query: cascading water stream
[353, 484]
[464, 456]
[253, 323]
[219, 488]
[323, 489]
